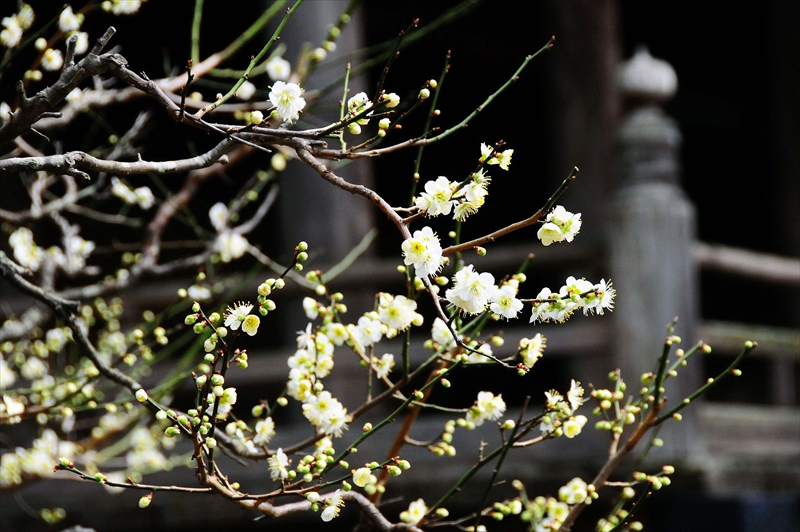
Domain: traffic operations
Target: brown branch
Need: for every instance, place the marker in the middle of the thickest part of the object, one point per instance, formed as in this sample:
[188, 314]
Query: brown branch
[369, 510]
[614, 461]
[83, 161]
[32, 109]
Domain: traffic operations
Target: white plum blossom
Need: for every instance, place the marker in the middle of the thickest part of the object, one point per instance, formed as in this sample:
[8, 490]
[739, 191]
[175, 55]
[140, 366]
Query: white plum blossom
[559, 225]
[482, 355]
[576, 293]
[122, 7]
[575, 395]
[487, 406]
[199, 293]
[436, 199]
[471, 196]
[532, 349]
[237, 315]
[7, 376]
[362, 476]
[13, 408]
[336, 332]
[82, 45]
[52, 59]
[574, 492]
[384, 365]
[471, 290]
[26, 252]
[218, 214]
[226, 401]
[504, 302]
[230, 246]
[601, 298]
[335, 504]
[398, 312]
[69, 21]
[311, 307]
[326, 413]
[390, 100]
[573, 426]
[486, 152]
[245, 91]
[441, 334]
[121, 190]
[368, 331]
[424, 251]
[278, 465]
[144, 197]
[503, 159]
[416, 511]
[265, 430]
[358, 104]
[288, 100]
[11, 34]
[278, 68]
[549, 233]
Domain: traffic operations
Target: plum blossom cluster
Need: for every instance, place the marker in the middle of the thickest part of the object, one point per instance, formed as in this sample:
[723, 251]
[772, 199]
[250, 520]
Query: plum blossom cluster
[487, 407]
[122, 7]
[472, 292]
[532, 349]
[141, 196]
[358, 105]
[35, 461]
[443, 196]
[229, 244]
[560, 225]
[575, 294]
[490, 155]
[424, 251]
[548, 513]
[71, 259]
[560, 418]
[311, 362]
[416, 511]
[15, 25]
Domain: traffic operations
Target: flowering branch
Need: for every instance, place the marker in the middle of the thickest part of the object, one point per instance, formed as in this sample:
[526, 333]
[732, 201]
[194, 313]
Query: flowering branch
[518, 225]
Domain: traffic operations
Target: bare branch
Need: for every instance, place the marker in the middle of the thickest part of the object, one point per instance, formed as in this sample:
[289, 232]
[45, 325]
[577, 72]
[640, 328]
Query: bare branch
[78, 160]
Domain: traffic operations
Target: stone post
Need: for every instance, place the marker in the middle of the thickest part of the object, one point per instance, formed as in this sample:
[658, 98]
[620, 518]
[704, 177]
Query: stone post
[653, 225]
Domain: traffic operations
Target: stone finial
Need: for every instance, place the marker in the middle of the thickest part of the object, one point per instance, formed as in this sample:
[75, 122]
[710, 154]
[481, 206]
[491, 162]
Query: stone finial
[647, 78]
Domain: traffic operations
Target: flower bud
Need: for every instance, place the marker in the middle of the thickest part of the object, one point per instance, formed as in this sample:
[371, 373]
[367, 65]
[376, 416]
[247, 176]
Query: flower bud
[424, 94]
[144, 502]
[141, 395]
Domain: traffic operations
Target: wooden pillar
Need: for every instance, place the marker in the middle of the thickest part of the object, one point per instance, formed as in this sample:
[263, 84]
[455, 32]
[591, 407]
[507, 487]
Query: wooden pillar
[653, 225]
